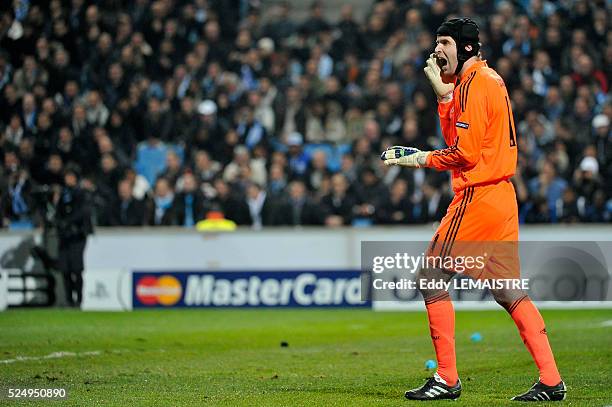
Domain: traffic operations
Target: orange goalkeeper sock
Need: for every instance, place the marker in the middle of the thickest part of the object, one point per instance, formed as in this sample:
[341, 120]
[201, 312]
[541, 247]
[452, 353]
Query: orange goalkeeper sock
[533, 331]
[441, 316]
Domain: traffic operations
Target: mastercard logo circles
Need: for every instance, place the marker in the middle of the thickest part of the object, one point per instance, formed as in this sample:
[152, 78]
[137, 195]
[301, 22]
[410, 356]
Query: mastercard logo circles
[163, 290]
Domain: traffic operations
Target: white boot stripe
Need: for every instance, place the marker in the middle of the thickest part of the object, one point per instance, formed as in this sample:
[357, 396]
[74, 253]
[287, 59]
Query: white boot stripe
[439, 379]
[440, 389]
[546, 395]
[434, 392]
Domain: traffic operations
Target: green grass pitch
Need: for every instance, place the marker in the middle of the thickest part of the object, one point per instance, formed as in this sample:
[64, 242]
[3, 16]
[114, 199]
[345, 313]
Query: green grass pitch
[336, 357]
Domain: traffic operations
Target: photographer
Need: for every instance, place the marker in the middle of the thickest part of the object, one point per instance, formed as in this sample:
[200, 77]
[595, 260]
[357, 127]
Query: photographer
[73, 221]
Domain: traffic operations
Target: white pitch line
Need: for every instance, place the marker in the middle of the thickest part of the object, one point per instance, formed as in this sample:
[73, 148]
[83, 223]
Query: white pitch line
[53, 355]
[606, 323]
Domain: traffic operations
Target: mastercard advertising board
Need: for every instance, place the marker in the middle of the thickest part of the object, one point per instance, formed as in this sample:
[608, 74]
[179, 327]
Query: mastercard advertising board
[194, 289]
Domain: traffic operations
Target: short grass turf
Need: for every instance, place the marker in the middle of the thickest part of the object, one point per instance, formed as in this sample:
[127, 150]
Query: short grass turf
[334, 357]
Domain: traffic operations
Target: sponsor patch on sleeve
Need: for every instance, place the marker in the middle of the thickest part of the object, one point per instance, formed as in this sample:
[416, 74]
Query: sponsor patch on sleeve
[462, 125]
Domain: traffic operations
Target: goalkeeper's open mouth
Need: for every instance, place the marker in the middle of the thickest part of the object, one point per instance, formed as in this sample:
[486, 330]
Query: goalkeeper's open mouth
[441, 61]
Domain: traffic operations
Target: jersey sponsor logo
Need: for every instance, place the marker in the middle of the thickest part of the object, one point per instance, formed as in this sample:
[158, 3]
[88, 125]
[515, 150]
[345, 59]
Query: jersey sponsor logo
[463, 125]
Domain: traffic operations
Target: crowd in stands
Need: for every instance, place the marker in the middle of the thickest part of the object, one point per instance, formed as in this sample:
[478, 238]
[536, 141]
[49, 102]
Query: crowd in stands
[171, 109]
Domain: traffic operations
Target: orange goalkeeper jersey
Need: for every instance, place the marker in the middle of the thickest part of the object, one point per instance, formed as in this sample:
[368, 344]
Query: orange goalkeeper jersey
[478, 127]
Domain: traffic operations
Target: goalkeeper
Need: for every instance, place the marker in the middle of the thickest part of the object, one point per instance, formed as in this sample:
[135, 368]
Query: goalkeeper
[477, 125]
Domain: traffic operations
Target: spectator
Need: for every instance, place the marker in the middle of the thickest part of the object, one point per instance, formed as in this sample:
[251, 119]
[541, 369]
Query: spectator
[433, 204]
[281, 26]
[370, 194]
[231, 205]
[79, 124]
[548, 186]
[250, 130]
[126, 210]
[97, 112]
[17, 206]
[598, 210]
[189, 204]
[537, 211]
[315, 22]
[211, 127]
[29, 75]
[298, 160]
[277, 181]
[159, 209]
[14, 131]
[54, 169]
[396, 208]
[158, 122]
[6, 70]
[317, 169]
[339, 203]
[174, 167]
[29, 112]
[567, 207]
[586, 179]
[110, 175]
[205, 169]
[292, 115]
[187, 121]
[602, 138]
[9, 103]
[299, 209]
[262, 209]
[121, 133]
[242, 160]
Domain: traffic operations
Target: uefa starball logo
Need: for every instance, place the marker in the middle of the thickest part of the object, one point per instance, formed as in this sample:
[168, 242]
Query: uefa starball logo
[164, 290]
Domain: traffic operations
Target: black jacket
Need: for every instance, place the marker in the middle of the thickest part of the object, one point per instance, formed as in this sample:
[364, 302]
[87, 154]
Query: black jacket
[199, 205]
[395, 212]
[439, 211]
[73, 214]
[341, 206]
[129, 213]
[235, 209]
[168, 218]
[293, 213]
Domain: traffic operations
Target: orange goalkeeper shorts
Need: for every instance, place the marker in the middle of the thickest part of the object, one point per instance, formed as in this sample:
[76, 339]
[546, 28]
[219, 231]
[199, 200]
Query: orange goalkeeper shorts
[481, 221]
